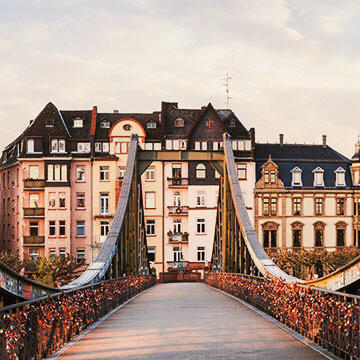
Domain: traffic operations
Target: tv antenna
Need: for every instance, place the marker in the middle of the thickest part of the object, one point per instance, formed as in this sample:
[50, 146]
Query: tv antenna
[227, 90]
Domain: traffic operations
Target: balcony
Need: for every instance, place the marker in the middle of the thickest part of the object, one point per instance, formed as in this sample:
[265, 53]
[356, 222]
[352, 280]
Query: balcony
[34, 212]
[178, 210]
[34, 240]
[177, 182]
[34, 184]
[178, 238]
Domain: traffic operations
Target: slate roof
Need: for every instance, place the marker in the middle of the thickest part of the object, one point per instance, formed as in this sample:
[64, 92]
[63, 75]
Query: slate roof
[307, 158]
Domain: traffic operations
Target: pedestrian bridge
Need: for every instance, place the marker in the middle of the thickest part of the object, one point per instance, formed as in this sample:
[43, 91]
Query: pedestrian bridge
[187, 321]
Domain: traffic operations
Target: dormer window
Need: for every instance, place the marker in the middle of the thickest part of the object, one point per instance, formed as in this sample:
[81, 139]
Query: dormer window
[318, 176]
[105, 124]
[30, 146]
[179, 123]
[49, 122]
[78, 122]
[151, 124]
[296, 177]
[232, 123]
[340, 177]
[127, 127]
[57, 146]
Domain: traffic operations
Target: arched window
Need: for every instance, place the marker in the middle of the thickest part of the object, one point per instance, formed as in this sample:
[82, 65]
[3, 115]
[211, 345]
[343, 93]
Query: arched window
[297, 229]
[200, 171]
[151, 124]
[340, 233]
[179, 122]
[105, 124]
[319, 232]
[270, 230]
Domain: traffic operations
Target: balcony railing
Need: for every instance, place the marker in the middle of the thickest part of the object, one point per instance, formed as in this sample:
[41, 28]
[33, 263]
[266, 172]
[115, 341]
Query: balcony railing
[178, 210]
[34, 240]
[34, 183]
[178, 181]
[274, 250]
[34, 212]
[178, 238]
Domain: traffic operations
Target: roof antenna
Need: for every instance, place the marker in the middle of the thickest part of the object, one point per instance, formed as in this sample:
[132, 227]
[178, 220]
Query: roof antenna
[227, 90]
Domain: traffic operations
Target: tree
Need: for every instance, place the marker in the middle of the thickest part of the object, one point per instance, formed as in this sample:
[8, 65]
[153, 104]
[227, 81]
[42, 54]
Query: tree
[11, 260]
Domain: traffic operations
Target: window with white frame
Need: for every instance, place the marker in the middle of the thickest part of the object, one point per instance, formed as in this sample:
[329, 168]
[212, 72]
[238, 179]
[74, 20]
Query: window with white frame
[105, 147]
[168, 145]
[200, 171]
[217, 175]
[80, 173]
[30, 146]
[34, 228]
[177, 226]
[151, 253]
[176, 145]
[78, 122]
[104, 173]
[149, 146]
[57, 172]
[340, 177]
[121, 172]
[204, 145]
[52, 228]
[57, 146]
[104, 203]
[200, 199]
[197, 145]
[104, 229]
[83, 147]
[52, 200]
[150, 200]
[200, 226]
[200, 253]
[80, 254]
[318, 176]
[157, 146]
[177, 254]
[183, 144]
[105, 124]
[177, 199]
[150, 227]
[80, 200]
[296, 177]
[33, 171]
[98, 147]
[80, 228]
[34, 200]
[62, 228]
[247, 145]
[215, 145]
[151, 124]
[241, 171]
[62, 254]
[34, 254]
[150, 174]
[52, 253]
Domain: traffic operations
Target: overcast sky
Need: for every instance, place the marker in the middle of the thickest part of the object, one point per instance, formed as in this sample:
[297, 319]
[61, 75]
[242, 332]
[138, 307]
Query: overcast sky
[295, 65]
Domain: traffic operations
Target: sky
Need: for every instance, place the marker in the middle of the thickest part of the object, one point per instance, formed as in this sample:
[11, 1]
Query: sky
[295, 65]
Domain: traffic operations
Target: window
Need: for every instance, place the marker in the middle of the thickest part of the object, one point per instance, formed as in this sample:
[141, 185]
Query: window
[150, 174]
[232, 123]
[149, 146]
[177, 226]
[176, 144]
[200, 199]
[197, 145]
[57, 172]
[168, 145]
[200, 253]
[34, 228]
[340, 177]
[340, 206]
[121, 172]
[80, 254]
[104, 203]
[105, 147]
[34, 255]
[52, 253]
[319, 235]
[217, 175]
[179, 122]
[80, 200]
[319, 209]
[157, 146]
[104, 173]
[52, 200]
[296, 206]
[105, 124]
[151, 124]
[62, 200]
[62, 254]
[150, 227]
[80, 228]
[34, 200]
[34, 172]
[30, 146]
[318, 177]
[177, 254]
[183, 144]
[265, 206]
[78, 122]
[177, 199]
[149, 200]
[215, 145]
[104, 229]
[272, 177]
[340, 237]
[296, 177]
[62, 228]
[98, 147]
[200, 171]
[273, 206]
[296, 238]
[121, 147]
[127, 127]
[57, 146]
[247, 145]
[151, 254]
[210, 123]
[266, 177]
[241, 171]
[269, 238]
[204, 145]
[83, 147]
[80, 173]
[52, 228]
[200, 226]
[49, 122]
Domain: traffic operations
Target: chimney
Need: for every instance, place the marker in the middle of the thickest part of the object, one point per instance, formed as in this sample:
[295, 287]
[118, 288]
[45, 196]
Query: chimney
[116, 111]
[324, 140]
[281, 138]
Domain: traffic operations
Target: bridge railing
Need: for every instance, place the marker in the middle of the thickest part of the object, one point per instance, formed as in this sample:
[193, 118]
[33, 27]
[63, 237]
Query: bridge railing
[328, 318]
[36, 328]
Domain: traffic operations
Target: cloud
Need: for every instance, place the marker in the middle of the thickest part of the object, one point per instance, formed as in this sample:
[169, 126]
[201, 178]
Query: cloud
[294, 64]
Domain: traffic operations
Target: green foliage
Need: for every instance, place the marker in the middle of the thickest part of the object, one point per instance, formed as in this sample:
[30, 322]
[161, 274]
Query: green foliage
[11, 260]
